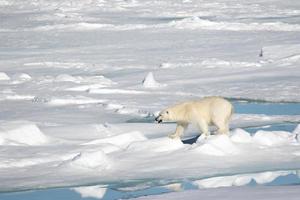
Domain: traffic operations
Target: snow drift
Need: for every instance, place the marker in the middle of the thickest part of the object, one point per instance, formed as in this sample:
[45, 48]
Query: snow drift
[21, 133]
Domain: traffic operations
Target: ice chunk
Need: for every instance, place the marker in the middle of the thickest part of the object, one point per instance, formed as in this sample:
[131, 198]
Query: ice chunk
[150, 82]
[215, 182]
[268, 138]
[97, 191]
[4, 77]
[241, 136]
[20, 132]
[297, 130]
[267, 177]
[242, 180]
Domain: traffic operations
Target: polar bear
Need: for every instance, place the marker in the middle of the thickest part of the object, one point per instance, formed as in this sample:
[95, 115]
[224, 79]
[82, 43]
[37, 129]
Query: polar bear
[202, 113]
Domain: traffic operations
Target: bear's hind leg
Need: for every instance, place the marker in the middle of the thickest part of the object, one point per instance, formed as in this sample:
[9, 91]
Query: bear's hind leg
[179, 130]
[222, 126]
[203, 127]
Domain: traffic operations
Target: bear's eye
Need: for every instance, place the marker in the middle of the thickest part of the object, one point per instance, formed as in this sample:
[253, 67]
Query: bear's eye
[167, 112]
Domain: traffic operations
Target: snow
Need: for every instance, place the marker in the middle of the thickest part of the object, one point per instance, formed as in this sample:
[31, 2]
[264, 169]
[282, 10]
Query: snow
[21, 133]
[81, 82]
[117, 151]
[219, 145]
[198, 23]
[4, 76]
[91, 191]
[95, 160]
[157, 145]
[240, 136]
[20, 78]
[150, 82]
[121, 140]
[272, 138]
[72, 100]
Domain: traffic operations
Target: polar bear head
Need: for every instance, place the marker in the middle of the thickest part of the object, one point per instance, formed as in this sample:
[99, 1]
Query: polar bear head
[165, 115]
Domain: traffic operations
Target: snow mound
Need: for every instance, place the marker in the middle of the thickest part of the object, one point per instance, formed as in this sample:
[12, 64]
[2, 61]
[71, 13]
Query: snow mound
[65, 78]
[113, 106]
[272, 138]
[218, 145]
[215, 182]
[240, 136]
[267, 177]
[297, 130]
[122, 140]
[91, 160]
[157, 145]
[150, 82]
[21, 78]
[4, 77]
[296, 133]
[21, 133]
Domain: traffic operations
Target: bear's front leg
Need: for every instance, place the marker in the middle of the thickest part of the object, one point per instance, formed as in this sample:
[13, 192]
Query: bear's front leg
[179, 130]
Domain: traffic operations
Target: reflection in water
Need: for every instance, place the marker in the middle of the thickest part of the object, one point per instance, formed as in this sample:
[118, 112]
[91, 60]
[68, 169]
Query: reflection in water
[263, 178]
[104, 192]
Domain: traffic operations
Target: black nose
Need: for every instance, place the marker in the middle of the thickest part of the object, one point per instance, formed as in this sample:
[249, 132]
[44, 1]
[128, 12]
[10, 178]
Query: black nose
[158, 120]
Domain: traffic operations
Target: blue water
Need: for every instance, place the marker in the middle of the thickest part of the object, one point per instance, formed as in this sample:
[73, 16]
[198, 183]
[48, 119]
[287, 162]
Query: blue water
[267, 108]
[112, 193]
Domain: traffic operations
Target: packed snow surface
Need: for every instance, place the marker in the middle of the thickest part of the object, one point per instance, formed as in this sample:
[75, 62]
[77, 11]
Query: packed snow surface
[114, 156]
[81, 83]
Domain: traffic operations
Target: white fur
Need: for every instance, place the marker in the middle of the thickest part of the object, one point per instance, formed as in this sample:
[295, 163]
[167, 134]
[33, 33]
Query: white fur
[204, 112]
